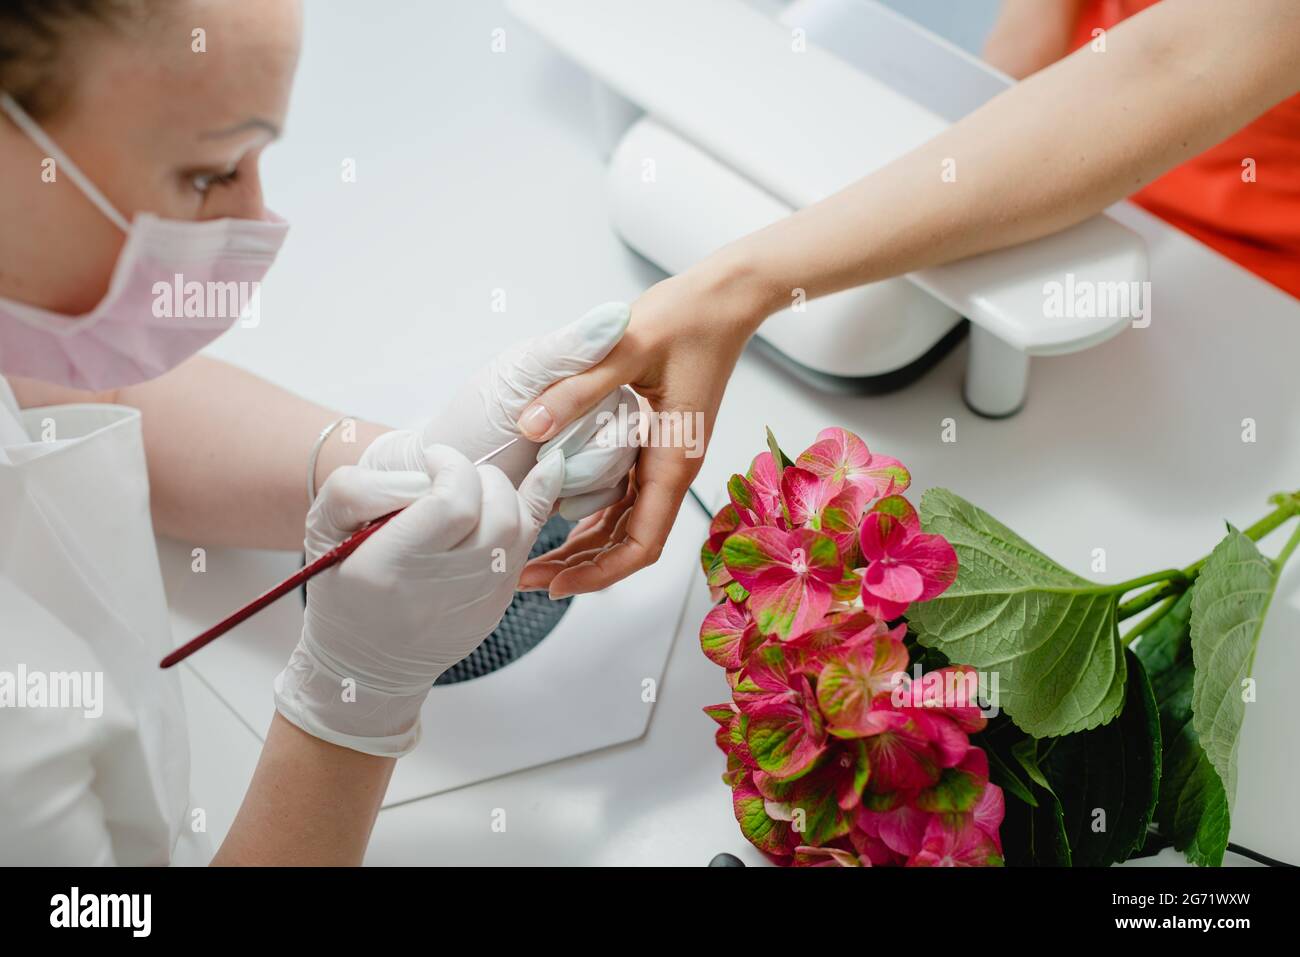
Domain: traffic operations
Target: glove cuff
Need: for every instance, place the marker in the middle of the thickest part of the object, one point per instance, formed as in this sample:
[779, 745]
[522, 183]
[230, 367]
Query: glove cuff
[344, 712]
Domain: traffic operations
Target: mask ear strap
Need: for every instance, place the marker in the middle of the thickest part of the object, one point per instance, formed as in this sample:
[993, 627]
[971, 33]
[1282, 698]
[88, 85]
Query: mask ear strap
[37, 135]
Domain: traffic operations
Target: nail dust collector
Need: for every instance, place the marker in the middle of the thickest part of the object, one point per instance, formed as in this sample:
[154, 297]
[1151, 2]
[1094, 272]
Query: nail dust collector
[747, 118]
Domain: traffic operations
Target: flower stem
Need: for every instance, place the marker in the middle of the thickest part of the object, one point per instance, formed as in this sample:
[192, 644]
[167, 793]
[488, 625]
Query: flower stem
[1150, 619]
[1153, 596]
[1168, 575]
[1288, 506]
[1287, 549]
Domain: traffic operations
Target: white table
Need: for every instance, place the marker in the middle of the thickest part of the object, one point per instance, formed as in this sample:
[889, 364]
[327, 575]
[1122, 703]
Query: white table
[475, 172]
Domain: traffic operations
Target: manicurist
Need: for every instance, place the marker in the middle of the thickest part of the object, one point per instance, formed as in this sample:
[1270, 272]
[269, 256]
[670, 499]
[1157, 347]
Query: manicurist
[130, 161]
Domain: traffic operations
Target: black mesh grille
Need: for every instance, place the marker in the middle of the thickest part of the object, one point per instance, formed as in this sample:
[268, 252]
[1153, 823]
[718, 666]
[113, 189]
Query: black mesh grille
[530, 618]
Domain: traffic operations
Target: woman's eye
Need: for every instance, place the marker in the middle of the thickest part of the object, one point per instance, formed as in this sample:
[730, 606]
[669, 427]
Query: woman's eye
[204, 182]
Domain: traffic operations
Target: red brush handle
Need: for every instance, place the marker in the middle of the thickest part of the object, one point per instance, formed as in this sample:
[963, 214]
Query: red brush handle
[335, 555]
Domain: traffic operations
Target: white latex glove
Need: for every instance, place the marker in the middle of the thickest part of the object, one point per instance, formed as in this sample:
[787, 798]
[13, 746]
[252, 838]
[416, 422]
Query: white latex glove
[483, 415]
[415, 598]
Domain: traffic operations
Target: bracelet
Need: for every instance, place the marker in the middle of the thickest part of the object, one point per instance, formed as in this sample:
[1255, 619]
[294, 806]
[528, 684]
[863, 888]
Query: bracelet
[312, 459]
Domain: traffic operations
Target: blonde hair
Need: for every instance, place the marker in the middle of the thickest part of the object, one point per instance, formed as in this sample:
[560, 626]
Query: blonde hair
[34, 37]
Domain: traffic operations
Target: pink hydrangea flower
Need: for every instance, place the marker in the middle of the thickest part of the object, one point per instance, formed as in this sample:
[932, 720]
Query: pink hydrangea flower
[841, 456]
[855, 674]
[783, 729]
[789, 576]
[904, 564]
[909, 748]
[834, 755]
[960, 843]
[951, 691]
[901, 830]
[805, 856]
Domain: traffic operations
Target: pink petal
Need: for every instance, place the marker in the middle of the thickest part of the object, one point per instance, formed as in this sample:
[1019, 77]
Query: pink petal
[796, 724]
[818, 553]
[872, 848]
[881, 608]
[880, 536]
[768, 675]
[806, 856]
[836, 631]
[886, 476]
[989, 811]
[765, 478]
[853, 676]
[728, 634]
[841, 518]
[948, 743]
[899, 510]
[957, 844]
[902, 757]
[745, 501]
[951, 691]
[836, 453]
[896, 583]
[976, 764]
[752, 552]
[788, 605]
[934, 560]
[805, 495]
[723, 524]
[903, 829]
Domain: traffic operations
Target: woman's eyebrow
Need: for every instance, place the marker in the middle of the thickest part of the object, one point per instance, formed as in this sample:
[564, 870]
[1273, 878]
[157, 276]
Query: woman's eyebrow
[254, 123]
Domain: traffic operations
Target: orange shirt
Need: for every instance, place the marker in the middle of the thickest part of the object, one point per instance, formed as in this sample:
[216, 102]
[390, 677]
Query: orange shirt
[1255, 223]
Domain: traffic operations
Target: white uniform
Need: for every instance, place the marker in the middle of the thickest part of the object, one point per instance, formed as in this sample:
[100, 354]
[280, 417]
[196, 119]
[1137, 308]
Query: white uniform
[81, 591]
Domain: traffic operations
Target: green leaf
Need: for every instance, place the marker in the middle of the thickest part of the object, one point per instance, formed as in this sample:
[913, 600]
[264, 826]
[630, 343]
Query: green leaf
[1113, 769]
[1001, 774]
[1052, 636]
[1229, 601]
[1026, 754]
[1033, 828]
[780, 458]
[1035, 836]
[1192, 809]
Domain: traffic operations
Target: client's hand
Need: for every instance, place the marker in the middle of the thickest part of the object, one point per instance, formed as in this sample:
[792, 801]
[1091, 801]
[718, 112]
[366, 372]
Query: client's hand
[484, 415]
[684, 339]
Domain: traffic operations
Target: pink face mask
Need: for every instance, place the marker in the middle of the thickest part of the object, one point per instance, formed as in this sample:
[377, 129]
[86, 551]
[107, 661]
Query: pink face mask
[176, 287]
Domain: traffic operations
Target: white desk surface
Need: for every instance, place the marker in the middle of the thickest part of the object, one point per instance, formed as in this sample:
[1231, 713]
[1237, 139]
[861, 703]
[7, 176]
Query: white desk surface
[476, 171]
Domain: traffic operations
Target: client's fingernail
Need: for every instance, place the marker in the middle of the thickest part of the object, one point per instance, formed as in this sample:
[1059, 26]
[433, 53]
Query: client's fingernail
[536, 422]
